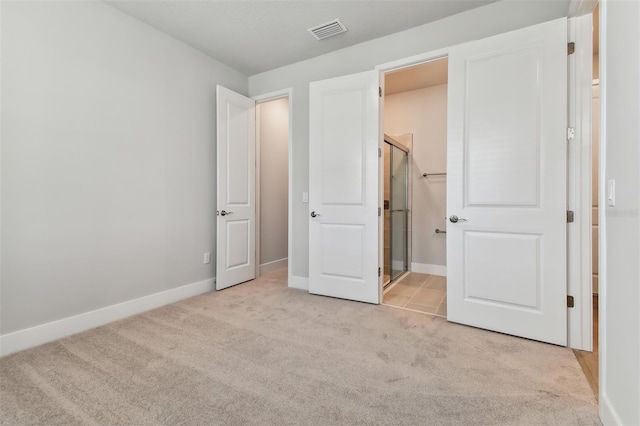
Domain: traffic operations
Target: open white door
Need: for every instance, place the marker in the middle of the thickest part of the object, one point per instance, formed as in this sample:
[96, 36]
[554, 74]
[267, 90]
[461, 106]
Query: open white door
[344, 139]
[506, 165]
[236, 182]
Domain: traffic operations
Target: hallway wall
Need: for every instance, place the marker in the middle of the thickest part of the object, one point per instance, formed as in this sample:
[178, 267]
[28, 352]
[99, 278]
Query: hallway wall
[274, 182]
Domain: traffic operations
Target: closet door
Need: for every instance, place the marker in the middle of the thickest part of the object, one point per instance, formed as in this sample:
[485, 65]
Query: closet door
[506, 189]
[344, 174]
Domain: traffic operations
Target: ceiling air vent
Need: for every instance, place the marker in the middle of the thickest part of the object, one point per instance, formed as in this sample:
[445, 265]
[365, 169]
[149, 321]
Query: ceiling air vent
[327, 29]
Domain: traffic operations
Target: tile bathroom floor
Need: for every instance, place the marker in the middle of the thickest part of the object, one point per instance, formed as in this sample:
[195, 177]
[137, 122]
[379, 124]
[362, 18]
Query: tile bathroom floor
[419, 292]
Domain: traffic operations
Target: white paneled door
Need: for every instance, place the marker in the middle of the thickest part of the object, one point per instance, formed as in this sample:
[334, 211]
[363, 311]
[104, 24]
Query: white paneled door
[236, 210]
[506, 189]
[344, 138]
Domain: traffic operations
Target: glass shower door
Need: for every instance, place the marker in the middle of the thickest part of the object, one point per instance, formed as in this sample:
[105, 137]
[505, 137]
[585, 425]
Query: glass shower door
[398, 206]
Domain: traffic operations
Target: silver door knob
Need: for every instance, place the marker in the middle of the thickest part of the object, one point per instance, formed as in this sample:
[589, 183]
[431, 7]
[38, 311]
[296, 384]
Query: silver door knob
[456, 219]
[225, 213]
[314, 214]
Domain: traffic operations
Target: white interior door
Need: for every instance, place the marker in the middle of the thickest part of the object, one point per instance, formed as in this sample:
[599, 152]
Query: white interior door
[506, 165]
[344, 138]
[236, 209]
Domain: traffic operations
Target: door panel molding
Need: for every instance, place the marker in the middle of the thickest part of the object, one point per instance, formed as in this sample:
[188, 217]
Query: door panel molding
[344, 175]
[506, 165]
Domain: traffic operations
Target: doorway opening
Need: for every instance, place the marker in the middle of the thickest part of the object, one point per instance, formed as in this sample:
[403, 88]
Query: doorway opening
[415, 115]
[243, 125]
[272, 186]
[589, 360]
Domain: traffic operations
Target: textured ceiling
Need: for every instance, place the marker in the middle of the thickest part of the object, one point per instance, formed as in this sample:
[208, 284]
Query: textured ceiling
[256, 36]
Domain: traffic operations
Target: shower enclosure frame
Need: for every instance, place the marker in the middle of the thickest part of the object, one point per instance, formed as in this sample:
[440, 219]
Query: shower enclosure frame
[393, 142]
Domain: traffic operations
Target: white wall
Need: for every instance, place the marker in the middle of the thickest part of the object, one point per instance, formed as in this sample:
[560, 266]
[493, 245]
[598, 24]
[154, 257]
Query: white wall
[424, 114]
[619, 266]
[482, 22]
[274, 180]
[108, 160]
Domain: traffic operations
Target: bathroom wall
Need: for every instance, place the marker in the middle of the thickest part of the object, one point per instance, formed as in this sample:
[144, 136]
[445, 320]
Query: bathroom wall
[423, 113]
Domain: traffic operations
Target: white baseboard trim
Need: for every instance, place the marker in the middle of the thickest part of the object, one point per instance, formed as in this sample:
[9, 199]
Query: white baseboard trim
[427, 268]
[301, 283]
[608, 415]
[273, 266]
[44, 333]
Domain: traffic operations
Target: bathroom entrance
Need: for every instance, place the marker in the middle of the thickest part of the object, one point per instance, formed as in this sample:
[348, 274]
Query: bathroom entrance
[396, 209]
[415, 114]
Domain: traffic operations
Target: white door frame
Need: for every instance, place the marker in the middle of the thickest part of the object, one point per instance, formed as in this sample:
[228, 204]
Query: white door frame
[384, 69]
[579, 318]
[279, 94]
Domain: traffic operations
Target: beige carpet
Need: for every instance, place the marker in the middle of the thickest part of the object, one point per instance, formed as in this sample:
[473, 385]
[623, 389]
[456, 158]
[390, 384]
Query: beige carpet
[261, 353]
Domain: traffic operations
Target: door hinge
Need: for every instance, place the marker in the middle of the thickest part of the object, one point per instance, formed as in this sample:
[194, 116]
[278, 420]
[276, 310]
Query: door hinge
[570, 216]
[379, 91]
[571, 48]
[379, 153]
[570, 302]
[571, 133]
[379, 211]
[379, 271]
